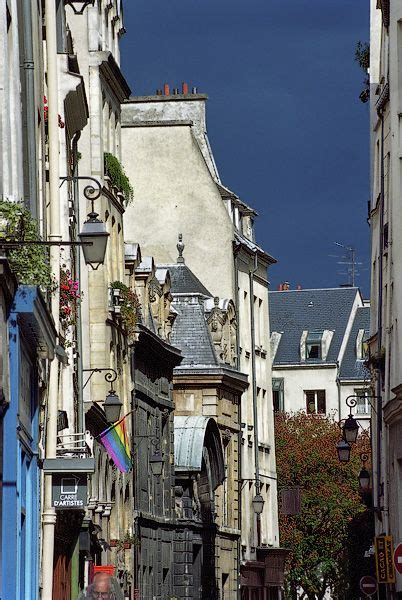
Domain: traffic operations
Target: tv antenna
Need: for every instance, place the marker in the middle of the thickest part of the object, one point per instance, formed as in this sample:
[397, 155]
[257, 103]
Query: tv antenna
[349, 262]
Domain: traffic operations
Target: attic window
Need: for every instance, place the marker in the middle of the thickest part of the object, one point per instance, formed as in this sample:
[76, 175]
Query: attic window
[314, 345]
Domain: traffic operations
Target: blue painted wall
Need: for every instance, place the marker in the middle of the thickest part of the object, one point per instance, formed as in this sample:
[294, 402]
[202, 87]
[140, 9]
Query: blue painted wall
[20, 509]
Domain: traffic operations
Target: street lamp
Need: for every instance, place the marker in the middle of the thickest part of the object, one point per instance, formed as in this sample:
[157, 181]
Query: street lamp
[364, 475]
[364, 479]
[351, 426]
[94, 239]
[112, 407]
[258, 504]
[343, 450]
[156, 461]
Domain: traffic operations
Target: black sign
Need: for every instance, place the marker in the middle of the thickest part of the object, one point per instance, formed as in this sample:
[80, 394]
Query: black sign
[69, 491]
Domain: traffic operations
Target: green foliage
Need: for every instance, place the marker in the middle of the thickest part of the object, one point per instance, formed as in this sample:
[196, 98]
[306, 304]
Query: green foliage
[115, 171]
[130, 306]
[362, 57]
[318, 535]
[30, 263]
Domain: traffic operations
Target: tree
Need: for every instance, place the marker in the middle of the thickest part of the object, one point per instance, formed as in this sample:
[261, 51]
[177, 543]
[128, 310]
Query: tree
[317, 536]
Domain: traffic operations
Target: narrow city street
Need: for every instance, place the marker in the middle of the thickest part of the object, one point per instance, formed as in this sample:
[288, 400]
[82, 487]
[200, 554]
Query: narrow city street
[200, 283]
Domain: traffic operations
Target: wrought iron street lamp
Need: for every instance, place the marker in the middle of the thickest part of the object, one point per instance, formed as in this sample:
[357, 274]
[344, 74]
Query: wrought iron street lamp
[343, 450]
[156, 462]
[156, 459]
[93, 237]
[364, 475]
[258, 504]
[350, 426]
[112, 405]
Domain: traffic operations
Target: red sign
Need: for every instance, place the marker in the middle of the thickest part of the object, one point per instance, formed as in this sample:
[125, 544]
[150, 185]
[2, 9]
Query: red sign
[368, 585]
[398, 558]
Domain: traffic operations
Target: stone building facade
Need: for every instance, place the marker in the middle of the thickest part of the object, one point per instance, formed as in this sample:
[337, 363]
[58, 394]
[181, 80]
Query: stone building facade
[179, 190]
[386, 281]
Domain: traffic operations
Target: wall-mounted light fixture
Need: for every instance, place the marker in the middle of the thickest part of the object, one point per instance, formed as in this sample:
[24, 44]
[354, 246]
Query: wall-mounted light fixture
[112, 404]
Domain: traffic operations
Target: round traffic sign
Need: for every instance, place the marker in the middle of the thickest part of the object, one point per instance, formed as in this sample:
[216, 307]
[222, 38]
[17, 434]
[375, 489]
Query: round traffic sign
[398, 558]
[368, 585]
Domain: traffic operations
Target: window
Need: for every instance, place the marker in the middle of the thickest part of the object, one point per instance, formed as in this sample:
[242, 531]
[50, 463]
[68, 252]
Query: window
[315, 402]
[314, 345]
[363, 406]
[277, 394]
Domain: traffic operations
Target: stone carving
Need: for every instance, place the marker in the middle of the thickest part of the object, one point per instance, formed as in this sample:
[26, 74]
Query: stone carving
[223, 328]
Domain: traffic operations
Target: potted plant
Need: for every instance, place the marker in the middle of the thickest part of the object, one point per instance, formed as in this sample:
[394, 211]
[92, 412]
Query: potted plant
[30, 262]
[128, 305]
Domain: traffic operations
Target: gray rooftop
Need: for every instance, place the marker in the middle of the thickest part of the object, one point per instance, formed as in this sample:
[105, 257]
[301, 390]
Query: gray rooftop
[295, 311]
[352, 368]
[190, 333]
[183, 280]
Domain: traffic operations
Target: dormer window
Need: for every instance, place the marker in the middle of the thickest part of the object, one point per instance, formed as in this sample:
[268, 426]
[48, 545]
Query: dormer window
[314, 345]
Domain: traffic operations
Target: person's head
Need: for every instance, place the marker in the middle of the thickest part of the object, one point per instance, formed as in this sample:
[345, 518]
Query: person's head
[101, 588]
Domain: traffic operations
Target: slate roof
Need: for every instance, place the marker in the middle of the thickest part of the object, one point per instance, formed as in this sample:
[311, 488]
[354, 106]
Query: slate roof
[351, 368]
[191, 335]
[183, 280]
[294, 311]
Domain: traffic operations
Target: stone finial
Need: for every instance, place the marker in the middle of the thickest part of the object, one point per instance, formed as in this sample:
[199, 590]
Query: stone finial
[180, 248]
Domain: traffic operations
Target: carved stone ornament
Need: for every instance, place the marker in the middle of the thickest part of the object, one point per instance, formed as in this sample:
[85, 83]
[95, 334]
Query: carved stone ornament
[226, 436]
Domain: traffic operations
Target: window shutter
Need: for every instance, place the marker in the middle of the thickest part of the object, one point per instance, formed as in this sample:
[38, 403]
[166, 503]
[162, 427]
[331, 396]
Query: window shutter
[303, 345]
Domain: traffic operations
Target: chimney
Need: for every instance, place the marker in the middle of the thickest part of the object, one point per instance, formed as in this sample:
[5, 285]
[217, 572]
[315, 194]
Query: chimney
[184, 88]
[285, 286]
[299, 287]
[175, 91]
[166, 89]
[194, 90]
[280, 287]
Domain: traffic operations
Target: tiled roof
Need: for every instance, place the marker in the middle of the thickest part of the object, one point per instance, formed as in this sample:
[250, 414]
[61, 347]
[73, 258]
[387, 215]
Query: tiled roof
[190, 333]
[351, 368]
[295, 311]
[183, 280]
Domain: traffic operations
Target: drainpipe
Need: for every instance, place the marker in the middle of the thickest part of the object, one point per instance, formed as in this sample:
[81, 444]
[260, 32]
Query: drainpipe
[80, 422]
[49, 513]
[252, 272]
[377, 507]
[29, 76]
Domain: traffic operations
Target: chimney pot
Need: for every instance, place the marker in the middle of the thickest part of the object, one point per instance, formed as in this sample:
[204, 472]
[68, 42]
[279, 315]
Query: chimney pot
[184, 88]
[299, 287]
[166, 89]
[194, 90]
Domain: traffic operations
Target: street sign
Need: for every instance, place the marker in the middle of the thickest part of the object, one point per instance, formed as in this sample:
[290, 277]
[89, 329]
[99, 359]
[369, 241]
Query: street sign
[384, 555]
[368, 585]
[398, 558]
[69, 491]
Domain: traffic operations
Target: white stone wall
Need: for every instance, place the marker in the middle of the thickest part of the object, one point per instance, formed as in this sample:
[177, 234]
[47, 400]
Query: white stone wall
[11, 174]
[175, 193]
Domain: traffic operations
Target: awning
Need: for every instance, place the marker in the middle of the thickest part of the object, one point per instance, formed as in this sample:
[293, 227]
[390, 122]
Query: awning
[197, 438]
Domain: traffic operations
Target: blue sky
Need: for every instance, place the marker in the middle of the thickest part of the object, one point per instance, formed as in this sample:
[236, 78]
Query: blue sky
[288, 131]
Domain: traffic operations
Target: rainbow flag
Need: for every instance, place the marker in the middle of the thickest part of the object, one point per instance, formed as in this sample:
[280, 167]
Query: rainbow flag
[115, 441]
